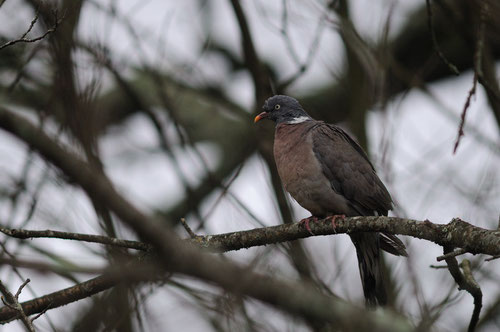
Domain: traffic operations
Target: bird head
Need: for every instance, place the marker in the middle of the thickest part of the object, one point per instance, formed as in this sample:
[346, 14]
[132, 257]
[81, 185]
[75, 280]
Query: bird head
[283, 109]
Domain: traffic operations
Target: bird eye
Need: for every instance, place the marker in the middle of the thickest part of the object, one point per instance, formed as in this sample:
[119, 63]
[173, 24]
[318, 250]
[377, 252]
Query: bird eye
[277, 107]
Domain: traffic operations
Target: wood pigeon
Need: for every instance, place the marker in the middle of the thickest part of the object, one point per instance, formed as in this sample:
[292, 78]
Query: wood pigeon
[329, 174]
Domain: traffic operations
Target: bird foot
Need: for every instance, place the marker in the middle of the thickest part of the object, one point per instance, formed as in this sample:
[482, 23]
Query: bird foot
[335, 217]
[306, 221]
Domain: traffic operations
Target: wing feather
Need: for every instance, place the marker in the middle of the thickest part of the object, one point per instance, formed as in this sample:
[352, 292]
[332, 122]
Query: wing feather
[349, 170]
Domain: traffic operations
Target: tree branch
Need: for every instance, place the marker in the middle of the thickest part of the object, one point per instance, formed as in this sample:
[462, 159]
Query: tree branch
[457, 233]
[23, 38]
[12, 302]
[70, 294]
[25, 234]
[466, 281]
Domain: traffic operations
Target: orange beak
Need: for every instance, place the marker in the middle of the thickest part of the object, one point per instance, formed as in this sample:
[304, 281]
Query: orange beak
[259, 117]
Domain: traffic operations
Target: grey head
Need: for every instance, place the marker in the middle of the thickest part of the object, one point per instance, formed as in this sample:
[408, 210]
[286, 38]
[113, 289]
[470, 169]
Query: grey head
[283, 109]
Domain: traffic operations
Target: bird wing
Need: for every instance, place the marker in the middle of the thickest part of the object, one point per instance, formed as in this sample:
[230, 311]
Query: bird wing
[349, 170]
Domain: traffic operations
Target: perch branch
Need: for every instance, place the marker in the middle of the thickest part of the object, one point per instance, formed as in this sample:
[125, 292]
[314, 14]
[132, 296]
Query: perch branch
[457, 234]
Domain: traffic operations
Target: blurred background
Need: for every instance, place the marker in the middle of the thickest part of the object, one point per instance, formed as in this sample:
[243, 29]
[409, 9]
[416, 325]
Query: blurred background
[160, 95]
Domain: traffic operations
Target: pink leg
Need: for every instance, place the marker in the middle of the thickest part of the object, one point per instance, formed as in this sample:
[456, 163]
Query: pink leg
[306, 221]
[335, 217]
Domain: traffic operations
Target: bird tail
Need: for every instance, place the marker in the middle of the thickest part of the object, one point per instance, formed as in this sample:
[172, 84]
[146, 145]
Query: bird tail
[368, 251]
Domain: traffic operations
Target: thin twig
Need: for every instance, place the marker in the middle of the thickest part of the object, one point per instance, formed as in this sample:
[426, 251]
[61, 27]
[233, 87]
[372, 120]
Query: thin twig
[188, 229]
[303, 65]
[12, 302]
[21, 288]
[478, 56]
[23, 38]
[465, 281]
[474, 289]
[472, 91]
[32, 24]
[451, 254]
[25, 234]
[41, 313]
[430, 23]
[437, 267]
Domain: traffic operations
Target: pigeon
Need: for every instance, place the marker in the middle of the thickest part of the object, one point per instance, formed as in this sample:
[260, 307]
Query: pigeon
[330, 175]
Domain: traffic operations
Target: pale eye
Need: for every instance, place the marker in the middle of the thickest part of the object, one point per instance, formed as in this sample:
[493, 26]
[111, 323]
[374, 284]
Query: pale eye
[277, 107]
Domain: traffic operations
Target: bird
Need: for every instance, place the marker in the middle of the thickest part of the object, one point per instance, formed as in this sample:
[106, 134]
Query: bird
[330, 175]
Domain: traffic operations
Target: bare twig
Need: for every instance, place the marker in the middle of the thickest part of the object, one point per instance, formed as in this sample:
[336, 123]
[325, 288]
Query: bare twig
[478, 56]
[451, 254]
[25, 234]
[472, 91]
[430, 23]
[187, 228]
[12, 302]
[21, 288]
[23, 38]
[303, 65]
[474, 289]
[465, 281]
[40, 314]
[437, 267]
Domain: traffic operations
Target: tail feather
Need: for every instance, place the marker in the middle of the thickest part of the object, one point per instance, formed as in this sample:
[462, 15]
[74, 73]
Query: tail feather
[368, 252]
[392, 244]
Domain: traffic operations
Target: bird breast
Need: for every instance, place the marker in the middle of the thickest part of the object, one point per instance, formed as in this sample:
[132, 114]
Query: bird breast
[299, 170]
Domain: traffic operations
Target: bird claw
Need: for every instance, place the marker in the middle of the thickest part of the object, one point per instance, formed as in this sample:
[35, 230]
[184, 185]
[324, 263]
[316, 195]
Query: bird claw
[306, 221]
[335, 217]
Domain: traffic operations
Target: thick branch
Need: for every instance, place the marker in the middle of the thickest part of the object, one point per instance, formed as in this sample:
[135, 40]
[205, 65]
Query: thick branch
[457, 233]
[62, 297]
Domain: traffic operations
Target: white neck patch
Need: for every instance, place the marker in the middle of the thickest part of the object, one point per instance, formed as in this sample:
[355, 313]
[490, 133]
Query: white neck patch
[300, 119]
